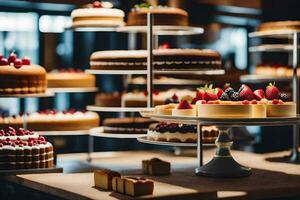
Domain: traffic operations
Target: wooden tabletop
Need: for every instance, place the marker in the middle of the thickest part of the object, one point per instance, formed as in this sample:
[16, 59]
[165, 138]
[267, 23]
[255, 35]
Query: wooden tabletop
[268, 179]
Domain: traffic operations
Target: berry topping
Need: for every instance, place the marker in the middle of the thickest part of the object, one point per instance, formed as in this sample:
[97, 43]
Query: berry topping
[164, 46]
[245, 102]
[202, 102]
[184, 105]
[12, 57]
[209, 96]
[199, 94]
[245, 93]
[235, 96]
[145, 93]
[18, 63]
[283, 96]
[97, 4]
[174, 97]
[219, 92]
[26, 61]
[275, 101]
[272, 92]
[259, 94]
[1, 56]
[3, 61]
[254, 102]
[156, 92]
[229, 91]
[224, 97]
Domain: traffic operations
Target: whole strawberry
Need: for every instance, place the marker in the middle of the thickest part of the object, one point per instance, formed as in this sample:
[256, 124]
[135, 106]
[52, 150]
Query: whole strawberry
[259, 94]
[272, 92]
[210, 96]
[245, 93]
[219, 92]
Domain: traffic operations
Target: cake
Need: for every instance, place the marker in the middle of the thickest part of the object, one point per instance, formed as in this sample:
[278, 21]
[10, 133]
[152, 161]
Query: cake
[52, 120]
[22, 151]
[279, 26]
[185, 109]
[133, 186]
[172, 132]
[19, 76]
[165, 109]
[163, 15]
[156, 167]
[127, 125]
[139, 99]
[179, 59]
[108, 99]
[70, 78]
[97, 15]
[245, 103]
[275, 70]
[103, 178]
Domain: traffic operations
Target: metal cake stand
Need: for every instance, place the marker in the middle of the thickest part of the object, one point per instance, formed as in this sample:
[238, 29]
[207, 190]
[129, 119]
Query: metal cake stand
[99, 132]
[223, 164]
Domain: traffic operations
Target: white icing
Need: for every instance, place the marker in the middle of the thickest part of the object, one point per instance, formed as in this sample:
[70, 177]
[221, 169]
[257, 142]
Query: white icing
[183, 137]
[97, 12]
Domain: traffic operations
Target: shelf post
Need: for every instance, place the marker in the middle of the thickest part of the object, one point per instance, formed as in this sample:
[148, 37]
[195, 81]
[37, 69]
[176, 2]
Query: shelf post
[149, 59]
[295, 152]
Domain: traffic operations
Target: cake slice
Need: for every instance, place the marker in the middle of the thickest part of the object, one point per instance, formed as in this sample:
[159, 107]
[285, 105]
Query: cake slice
[103, 178]
[156, 167]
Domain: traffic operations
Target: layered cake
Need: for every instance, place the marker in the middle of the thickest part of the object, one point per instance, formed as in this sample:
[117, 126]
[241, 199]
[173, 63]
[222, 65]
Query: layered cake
[163, 15]
[103, 178]
[108, 99]
[275, 70]
[279, 26]
[51, 120]
[97, 15]
[139, 99]
[156, 167]
[163, 59]
[18, 153]
[70, 78]
[133, 186]
[19, 76]
[127, 125]
[171, 132]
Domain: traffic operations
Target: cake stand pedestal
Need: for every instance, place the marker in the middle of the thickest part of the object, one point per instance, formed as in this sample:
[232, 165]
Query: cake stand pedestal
[223, 164]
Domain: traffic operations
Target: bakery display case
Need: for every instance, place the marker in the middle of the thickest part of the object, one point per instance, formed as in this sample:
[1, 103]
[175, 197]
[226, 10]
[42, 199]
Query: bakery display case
[166, 90]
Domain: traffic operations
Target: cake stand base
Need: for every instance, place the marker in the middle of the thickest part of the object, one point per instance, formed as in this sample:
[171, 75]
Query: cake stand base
[223, 167]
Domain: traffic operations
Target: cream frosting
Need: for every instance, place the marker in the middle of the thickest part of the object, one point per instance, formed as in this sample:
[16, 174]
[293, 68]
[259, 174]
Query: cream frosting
[94, 12]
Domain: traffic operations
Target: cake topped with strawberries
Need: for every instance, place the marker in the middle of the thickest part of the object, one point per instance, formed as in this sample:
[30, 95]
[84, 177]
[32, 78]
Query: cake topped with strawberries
[19, 76]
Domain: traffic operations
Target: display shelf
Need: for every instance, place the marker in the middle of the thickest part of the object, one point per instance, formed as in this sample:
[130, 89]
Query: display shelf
[63, 133]
[73, 90]
[37, 95]
[92, 29]
[274, 33]
[116, 109]
[163, 30]
[253, 78]
[99, 132]
[272, 48]
[144, 72]
[31, 171]
[169, 82]
[145, 140]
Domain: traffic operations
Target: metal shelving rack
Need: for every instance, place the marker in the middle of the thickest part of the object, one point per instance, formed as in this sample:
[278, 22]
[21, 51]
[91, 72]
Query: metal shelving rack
[294, 48]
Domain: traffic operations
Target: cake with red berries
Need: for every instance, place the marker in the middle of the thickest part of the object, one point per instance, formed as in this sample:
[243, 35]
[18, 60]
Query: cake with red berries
[172, 132]
[17, 153]
[163, 15]
[185, 109]
[139, 99]
[244, 103]
[197, 59]
[98, 14]
[127, 125]
[165, 109]
[108, 99]
[19, 76]
[70, 78]
[279, 26]
[52, 120]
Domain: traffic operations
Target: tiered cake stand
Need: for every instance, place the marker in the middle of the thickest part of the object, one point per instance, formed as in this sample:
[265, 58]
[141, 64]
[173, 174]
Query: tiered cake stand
[22, 98]
[222, 164]
[294, 50]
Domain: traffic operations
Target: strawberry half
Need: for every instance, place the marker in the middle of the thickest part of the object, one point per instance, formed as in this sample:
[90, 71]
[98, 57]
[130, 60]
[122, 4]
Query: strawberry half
[209, 96]
[259, 94]
[219, 92]
[245, 93]
[272, 92]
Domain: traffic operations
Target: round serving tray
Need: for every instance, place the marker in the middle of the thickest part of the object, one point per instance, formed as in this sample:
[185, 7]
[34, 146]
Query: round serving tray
[99, 132]
[145, 140]
[73, 90]
[274, 33]
[37, 95]
[63, 133]
[162, 30]
[117, 109]
[92, 29]
[268, 121]
[253, 78]
[271, 48]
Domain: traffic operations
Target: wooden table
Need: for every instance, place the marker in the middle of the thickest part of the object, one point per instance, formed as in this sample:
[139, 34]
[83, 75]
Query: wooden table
[267, 181]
